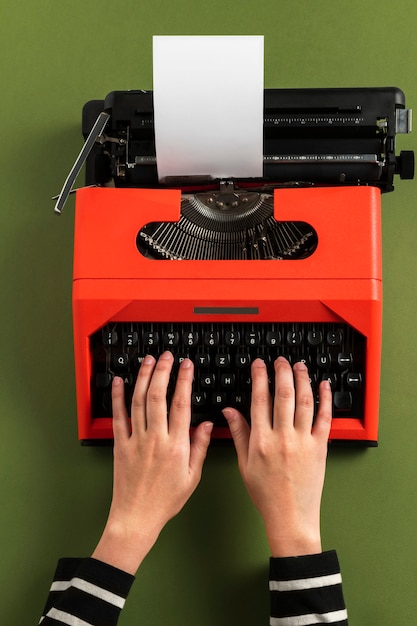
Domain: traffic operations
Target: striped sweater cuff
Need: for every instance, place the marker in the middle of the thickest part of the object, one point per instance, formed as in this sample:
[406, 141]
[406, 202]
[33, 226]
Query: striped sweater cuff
[86, 591]
[307, 591]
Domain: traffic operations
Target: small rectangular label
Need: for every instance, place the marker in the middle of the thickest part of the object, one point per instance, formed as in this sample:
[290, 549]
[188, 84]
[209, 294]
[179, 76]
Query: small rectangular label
[226, 310]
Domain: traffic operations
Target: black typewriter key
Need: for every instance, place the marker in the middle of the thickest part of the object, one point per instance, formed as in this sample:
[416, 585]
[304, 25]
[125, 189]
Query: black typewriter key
[110, 337]
[128, 379]
[354, 380]
[130, 339]
[103, 380]
[120, 360]
[211, 338]
[227, 381]
[273, 338]
[198, 398]
[218, 399]
[139, 358]
[314, 337]
[238, 399]
[342, 400]
[304, 358]
[222, 360]
[334, 337]
[150, 338]
[242, 360]
[344, 359]
[323, 359]
[208, 380]
[252, 338]
[246, 382]
[202, 360]
[330, 377]
[190, 339]
[231, 338]
[179, 358]
[171, 339]
[294, 337]
[266, 358]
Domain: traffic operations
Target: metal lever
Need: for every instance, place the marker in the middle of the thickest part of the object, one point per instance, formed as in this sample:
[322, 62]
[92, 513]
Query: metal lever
[95, 134]
[404, 121]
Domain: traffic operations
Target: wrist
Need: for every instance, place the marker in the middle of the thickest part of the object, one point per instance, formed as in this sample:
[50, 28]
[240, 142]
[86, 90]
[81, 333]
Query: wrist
[294, 547]
[292, 541]
[124, 548]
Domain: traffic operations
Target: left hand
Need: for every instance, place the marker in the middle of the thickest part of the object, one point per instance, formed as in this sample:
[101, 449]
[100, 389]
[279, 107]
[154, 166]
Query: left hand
[156, 466]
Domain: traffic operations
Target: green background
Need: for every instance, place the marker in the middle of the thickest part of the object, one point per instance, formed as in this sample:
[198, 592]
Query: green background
[210, 564]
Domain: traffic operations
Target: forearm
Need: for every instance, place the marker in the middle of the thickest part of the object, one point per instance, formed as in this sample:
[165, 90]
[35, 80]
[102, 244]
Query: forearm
[306, 590]
[156, 469]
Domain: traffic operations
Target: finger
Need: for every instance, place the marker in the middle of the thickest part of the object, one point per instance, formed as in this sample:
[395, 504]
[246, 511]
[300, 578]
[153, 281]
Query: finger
[261, 401]
[323, 420]
[140, 391]
[240, 431]
[304, 401]
[156, 398]
[284, 400]
[180, 410]
[200, 442]
[121, 426]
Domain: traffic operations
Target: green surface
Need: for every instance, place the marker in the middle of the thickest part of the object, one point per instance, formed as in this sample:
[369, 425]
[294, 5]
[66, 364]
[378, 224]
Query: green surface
[210, 565]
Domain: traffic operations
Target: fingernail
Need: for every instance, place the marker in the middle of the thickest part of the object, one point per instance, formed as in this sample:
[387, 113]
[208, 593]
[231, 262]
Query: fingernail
[117, 381]
[148, 360]
[259, 362]
[326, 384]
[208, 427]
[186, 363]
[300, 366]
[282, 359]
[166, 355]
[228, 413]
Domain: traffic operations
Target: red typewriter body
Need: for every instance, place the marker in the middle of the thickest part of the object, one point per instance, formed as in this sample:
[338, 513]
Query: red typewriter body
[339, 282]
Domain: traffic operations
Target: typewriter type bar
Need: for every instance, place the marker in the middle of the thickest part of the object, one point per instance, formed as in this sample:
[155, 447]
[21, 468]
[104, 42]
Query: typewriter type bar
[227, 224]
[311, 137]
[323, 307]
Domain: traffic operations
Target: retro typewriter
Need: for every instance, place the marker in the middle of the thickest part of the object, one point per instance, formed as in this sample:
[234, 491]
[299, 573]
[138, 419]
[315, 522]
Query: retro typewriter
[225, 271]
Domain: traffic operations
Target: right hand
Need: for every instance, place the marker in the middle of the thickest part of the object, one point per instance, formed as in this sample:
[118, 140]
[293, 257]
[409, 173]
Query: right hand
[282, 455]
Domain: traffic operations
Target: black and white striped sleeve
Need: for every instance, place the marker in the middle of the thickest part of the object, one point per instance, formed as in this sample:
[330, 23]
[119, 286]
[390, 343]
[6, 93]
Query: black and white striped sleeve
[307, 591]
[86, 592]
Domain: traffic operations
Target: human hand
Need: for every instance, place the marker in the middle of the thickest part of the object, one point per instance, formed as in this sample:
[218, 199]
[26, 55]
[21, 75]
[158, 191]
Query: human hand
[282, 455]
[156, 466]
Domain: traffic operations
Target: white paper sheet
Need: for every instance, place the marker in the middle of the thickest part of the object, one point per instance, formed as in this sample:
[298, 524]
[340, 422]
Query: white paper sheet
[208, 105]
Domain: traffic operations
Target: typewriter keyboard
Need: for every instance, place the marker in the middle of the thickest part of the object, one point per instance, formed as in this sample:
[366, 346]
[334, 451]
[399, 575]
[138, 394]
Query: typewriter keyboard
[222, 354]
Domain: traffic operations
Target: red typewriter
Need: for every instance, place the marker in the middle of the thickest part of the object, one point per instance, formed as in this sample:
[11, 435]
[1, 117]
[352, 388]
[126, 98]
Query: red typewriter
[324, 307]
[223, 272]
